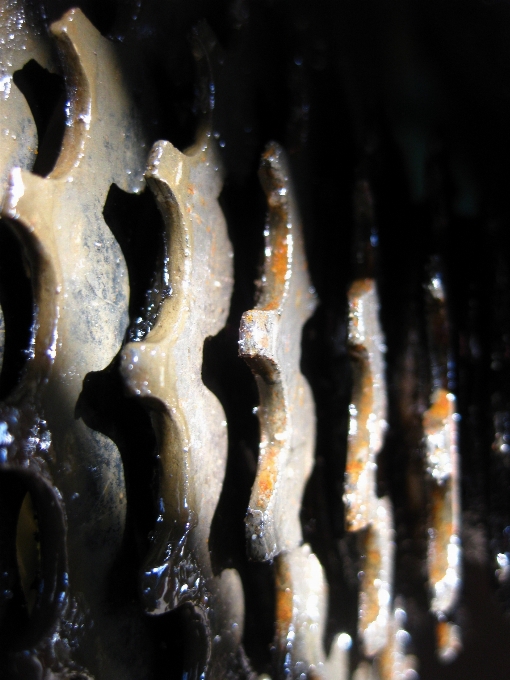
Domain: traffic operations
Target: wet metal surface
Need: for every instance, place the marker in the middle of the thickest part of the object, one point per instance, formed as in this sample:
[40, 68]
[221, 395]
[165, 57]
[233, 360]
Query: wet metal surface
[22, 38]
[368, 409]
[440, 429]
[126, 562]
[165, 370]
[301, 610]
[81, 293]
[364, 510]
[270, 342]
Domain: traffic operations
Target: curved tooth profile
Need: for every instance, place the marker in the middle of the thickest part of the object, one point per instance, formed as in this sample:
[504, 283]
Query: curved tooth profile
[377, 577]
[364, 510]
[367, 411]
[270, 343]
[81, 293]
[301, 614]
[22, 38]
[165, 369]
[440, 429]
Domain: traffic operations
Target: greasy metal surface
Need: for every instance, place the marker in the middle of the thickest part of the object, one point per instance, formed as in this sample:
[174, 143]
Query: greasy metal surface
[270, 342]
[394, 663]
[165, 370]
[72, 491]
[301, 611]
[81, 293]
[376, 579]
[364, 510]
[440, 429]
[368, 408]
[22, 38]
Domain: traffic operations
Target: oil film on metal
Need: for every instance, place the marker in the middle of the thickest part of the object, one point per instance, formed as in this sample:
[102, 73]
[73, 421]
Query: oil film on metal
[254, 340]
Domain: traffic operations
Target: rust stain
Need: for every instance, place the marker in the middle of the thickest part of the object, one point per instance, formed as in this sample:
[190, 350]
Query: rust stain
[279, 265]
[442, 523]
[288, 422]
[355, 468]
[363, 402]
[358, 289]
[284, 600]
[436, 416]
[371, 567]
[268, 472]
[442, 634]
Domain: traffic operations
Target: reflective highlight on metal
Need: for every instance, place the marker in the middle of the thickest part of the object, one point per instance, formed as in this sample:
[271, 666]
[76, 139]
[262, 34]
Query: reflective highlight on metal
[69, 495]
[77, 265]
[165, 370]
[364, 510]
[22, 38]
[440, 429]
[270, 342]
[301, 609]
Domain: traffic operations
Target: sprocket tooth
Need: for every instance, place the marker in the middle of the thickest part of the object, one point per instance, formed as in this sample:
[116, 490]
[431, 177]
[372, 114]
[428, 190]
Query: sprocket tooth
[103, 131]
[368, 408]
[364, 510]
[166, 371]
[28, 205]
[301, 613]
[440, 430]
[394, 663]
[270, 344]
[81, 291]
[377, 579]
[22, 38]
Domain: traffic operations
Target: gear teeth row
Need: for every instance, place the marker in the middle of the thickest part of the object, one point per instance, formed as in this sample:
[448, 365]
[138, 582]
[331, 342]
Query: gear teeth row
[74, 474]
[22, 39]
[444, 556]
[81, 293]
[270, 343]
[365, 512]
[165, 370]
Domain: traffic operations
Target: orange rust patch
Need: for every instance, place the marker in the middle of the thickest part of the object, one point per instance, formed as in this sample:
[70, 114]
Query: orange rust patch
[191, 189]
[284, 599]
[371, 568]
[443, 635]
[266, 478]
[354, 469]
[434, 419]
[278, 266]
[359, 288]
[441, 521]
[357, 456]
